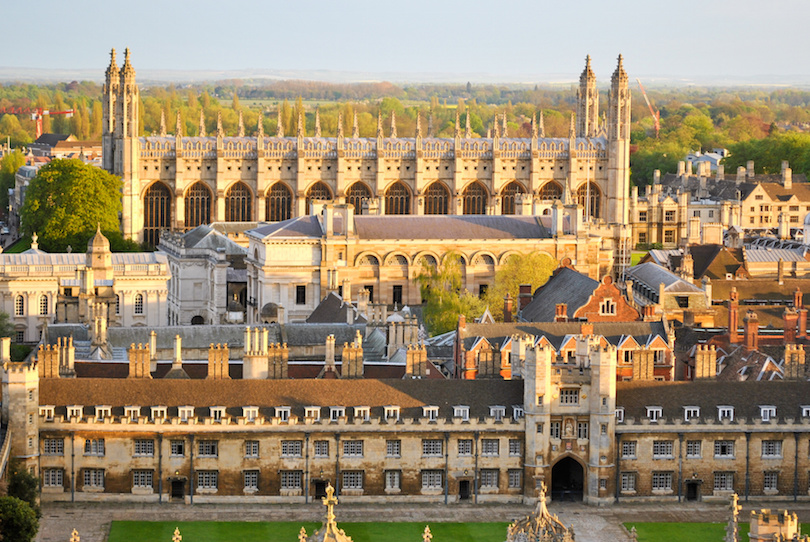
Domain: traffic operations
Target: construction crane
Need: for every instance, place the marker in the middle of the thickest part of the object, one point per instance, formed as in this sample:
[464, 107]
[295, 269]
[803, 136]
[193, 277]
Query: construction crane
[656, 114]
[36, 114]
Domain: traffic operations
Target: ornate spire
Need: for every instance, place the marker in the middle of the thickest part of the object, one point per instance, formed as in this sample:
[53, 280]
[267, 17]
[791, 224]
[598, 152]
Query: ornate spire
[572, 127]
[619, 75]
[496, 132]
[302, 535]
[505, 133]
[220, 131]
[430, 125]
[127, 68]
[74, 536]
[418, 124]
[162, 123]
[457, 132]
[202, 123]
[534, 125]
[732, 533]
[467, 130]
[427, 536]
[300, 132]
[340, 124]
[355, 129]
[178, 127]
[393, 125]
[279, 125]
[112, 69]
[379, 125]
[317, 122]
[541, 129]
[241, 129]
[260, 127]
[177, 537]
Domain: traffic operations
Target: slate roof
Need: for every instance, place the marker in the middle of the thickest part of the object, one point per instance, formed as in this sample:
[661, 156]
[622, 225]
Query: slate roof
[775, 254]
[333, 310]
[652, 275]
[304, 227]
[38, 257]
[556, 332]
[727, 189]
[206, 237]
[740, 364]
[745, 397]
[490, 227]
[409, 395]
[564, 286]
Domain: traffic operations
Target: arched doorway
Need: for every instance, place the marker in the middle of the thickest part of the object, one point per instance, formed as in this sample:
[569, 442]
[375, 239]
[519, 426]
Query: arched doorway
[567, 480]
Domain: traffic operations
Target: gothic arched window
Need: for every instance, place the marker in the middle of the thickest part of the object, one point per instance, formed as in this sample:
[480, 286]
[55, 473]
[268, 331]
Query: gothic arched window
[590, 197]
[157, 213]
[398, 200]
[238, 204]
[198, 205]
[436, 199]
[508, 197]
[278, 203]
[475, 200]
[356, 194]
[550, 191]
[318, 191]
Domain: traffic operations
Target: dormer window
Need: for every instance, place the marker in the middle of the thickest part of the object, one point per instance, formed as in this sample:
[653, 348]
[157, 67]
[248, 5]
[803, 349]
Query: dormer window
[497, 412]
[517, 412]
[767, 412]
[725, 413]
[74, 411]
[46, 412]
[690, 412]
[654, 413]
[103, 412]
[185, 413]
[132, 413]
[431, 413]
[336, 413]
[158, 413]
[251, 413]
[805, 411]
[362, 413]
[217, 413]
[462, 412]
[620, 415]
[392, 413]
[313, 413]
[283, 413]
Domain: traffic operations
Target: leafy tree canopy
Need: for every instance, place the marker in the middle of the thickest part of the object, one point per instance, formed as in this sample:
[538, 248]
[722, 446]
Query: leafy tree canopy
[8, 167]
[18, 522]
[21, 483]
[445, 299]
[65, 203]
[534, 268]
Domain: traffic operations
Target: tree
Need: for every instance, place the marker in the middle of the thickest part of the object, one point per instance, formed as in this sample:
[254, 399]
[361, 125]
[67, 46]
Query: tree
[534, 268]
[67, 200]
[444, 297]
[21, 483]
[8, 168]
[18, 522]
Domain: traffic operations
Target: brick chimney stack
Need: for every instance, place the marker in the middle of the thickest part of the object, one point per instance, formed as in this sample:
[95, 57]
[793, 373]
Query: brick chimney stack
[507, 308]
[733, 317]
[524, 296]
[561, 312]
[751, 330]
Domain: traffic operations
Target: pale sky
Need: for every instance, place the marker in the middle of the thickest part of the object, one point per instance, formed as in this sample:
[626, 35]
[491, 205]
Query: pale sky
[516, 39]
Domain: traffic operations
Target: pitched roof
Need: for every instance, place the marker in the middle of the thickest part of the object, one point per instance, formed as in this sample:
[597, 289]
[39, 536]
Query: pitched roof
[333, 310]
[491, 227]
[652, 275]
[304, 227]
[565, 286]
[206, 237]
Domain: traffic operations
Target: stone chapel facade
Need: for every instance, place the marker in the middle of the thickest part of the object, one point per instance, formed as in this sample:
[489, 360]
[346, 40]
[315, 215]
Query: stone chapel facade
[174, 182]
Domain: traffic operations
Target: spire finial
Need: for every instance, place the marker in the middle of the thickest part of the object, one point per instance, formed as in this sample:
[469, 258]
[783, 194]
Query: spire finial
[340, 124]
[178, 127]
[241, 129]
[534, 125]
[393, 124]
[162, 122]
[317, 122]
[74, 536]
[430, 124]
[355, 129]
[220, 131]
[418, 124]
[379, 125]
[177, 537]
[572, 129]
[541, 129]
[202, 123]
[300, 123]
[260, 126]
[496, 131]
[457, 132]
[505, 134]
[279, 124]
[34, 243]
[467, 130]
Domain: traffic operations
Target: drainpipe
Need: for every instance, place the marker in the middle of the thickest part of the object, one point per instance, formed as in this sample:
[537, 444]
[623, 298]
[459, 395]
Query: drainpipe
[446, 465]
[72, 468]
[160, 467]
[680, 464]
[747, 463]
[191, 470]
[618, 452]
[337, 463]
[306, 469]
[475, 471]
[795, 466]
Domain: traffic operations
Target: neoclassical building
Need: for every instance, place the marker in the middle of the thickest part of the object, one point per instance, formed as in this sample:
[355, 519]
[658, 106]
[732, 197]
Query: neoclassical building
[174, 182]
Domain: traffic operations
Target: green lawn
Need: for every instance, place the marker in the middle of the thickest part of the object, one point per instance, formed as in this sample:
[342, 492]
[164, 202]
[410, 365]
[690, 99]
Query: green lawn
[688, 532]
[210, 531]
[636, 256]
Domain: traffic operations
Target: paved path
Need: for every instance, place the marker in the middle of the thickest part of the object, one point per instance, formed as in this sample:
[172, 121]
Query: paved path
[591, 524]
